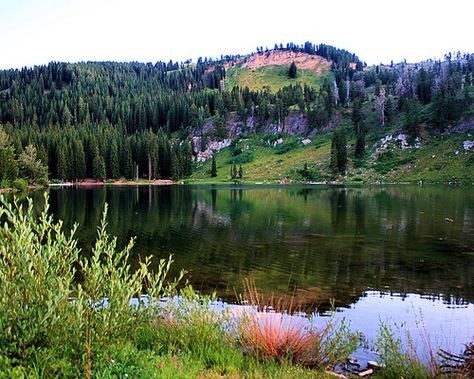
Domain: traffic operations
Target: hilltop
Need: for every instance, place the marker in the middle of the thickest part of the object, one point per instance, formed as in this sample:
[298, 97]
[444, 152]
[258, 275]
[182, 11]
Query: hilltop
[270, 70]
[333, 119]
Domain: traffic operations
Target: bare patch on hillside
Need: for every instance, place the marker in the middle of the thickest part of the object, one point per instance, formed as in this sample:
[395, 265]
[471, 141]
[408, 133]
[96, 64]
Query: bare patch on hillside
[302, 60]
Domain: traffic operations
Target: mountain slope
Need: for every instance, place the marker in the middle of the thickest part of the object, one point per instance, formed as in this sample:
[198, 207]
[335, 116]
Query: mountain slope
[439, 159]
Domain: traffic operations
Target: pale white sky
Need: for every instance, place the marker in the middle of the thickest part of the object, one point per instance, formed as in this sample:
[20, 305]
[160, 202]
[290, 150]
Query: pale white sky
[38, 31]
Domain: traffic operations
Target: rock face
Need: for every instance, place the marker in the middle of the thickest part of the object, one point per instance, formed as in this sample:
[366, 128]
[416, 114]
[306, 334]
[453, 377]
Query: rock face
[400, 139]
[212, 146]
[286, 57]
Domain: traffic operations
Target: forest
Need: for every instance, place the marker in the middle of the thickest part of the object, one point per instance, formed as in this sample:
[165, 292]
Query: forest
[108, 120]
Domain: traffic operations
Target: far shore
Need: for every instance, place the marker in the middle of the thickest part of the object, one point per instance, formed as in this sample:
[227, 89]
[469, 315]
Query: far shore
[167, 182]
[119, 182]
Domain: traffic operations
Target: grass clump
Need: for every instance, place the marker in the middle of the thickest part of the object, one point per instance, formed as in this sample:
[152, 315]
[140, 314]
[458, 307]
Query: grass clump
[273, 328]
[397, 360]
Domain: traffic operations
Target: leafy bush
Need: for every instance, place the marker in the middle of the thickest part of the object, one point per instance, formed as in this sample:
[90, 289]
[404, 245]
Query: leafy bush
[51, 321]
[20, 184]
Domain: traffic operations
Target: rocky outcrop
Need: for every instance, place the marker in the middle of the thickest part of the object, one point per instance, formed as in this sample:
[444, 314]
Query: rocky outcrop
[206, 142]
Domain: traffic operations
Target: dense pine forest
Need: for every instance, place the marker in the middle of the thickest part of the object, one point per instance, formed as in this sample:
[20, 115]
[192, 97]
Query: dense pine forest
[108, 120]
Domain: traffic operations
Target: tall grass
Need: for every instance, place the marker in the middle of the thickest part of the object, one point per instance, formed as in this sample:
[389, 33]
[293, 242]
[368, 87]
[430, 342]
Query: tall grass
[398, 361]
[274, 327]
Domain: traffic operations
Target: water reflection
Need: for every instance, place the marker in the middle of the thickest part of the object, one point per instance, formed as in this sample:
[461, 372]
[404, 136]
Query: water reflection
[326, 242]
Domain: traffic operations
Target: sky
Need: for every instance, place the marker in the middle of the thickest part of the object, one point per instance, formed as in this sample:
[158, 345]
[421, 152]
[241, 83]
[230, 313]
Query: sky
[34, 32]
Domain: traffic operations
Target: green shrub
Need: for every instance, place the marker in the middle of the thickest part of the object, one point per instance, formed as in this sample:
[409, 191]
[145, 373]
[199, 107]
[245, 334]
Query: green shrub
[312, 174]
[287, 146]
[53, 323]
[43, 182]
[5, 183]
[20, 184]
[388, 160]
[244, 157]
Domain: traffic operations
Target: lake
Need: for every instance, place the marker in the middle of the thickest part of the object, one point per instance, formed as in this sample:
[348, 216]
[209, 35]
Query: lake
[378, 251]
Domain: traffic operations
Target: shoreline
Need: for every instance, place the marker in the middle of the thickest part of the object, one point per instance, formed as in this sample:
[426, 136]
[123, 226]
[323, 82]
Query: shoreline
[167, 182]
[119, 182]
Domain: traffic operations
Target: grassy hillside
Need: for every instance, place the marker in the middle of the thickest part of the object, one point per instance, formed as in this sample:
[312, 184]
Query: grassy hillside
[274, 77]
[271, 69]
[435, 161]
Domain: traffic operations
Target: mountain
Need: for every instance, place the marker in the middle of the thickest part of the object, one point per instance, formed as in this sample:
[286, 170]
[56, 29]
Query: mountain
[292, 113]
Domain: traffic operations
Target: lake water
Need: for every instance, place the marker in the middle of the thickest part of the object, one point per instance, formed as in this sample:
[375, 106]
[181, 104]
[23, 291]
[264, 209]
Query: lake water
[381, 252]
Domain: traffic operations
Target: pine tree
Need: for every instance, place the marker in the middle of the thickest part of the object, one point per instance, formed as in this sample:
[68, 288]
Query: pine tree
[8, 164]
[175, 171]
[233, 171]
[241, 172]
[338, 152]
[98, 168]
[113, 165]
[80, 160]
[213, 168]
[62, 166]
[292, 71]
[342, 152]
[31, 167]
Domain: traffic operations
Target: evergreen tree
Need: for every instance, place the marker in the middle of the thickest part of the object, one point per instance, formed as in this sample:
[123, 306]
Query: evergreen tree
[31, 168]
[338, 152]
[8, 164]
[292, 71]
[342, 152]
[412, 118]
[98, 167]
[175, 169]
[241, 172]
[213, 167]
[113, 165]
[62, 166]
[79, 160]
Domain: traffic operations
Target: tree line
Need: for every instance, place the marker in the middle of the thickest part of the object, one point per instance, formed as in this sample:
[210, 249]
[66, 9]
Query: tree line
[104, 152]
[136, 120]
